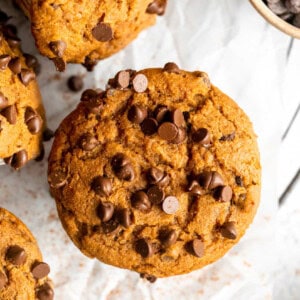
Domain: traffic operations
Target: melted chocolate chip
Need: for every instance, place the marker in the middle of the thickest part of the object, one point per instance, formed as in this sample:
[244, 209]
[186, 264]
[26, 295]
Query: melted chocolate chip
[111, 227]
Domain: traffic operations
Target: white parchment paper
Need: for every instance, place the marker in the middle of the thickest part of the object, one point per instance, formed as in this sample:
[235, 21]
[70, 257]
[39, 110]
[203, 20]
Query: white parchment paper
[243, 56]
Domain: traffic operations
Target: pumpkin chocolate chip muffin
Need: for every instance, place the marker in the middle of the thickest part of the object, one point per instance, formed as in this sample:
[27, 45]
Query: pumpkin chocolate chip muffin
[159, 174]
[86, 31]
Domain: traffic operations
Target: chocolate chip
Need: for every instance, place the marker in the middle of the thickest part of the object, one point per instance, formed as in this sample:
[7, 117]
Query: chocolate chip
[197, 247]
[161, 113]
[168, 237]
[88, 142]
[48, 134]
[229, 137]
[17, 160]
[15, 65]
[32, 62]
[137, 114]
[3, 17]
[180, 137]
[3, 101]
[149, 126]
[111, 227]
[239, 181]
[155, 194]
[177, 117]
[16, 255]
[4, 61]
[228, 230]
[168, 131]
[40, 270]
[122, 79]
[45, 292]
[88, 95]
[122, 167]
[105, 211]
[210, 180]
[89, 64]
[293, 6]
[195, 189]
[10, 113]
[124, 217]
[155, 175]
[140, 201]
[157, 7]
[59, 63]
[171, 67]
[58, 48]
[140, 83]
[223, 193]
[103, 32]
[170, 205]
[144, 248]
[33, 121]
[202, 136]
[3, 278]
[57, 178]
[148, 277]
[13, 42]
[102, 186]
[75, 83]
[27, 76]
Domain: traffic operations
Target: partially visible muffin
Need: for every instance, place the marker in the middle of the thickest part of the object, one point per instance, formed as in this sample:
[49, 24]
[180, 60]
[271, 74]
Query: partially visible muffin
[87, 31]
[22, 117]
[23, 274]
[159, 174]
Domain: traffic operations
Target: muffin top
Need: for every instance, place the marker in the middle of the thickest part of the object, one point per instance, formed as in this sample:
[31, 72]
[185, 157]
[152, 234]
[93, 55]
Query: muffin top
[159, 174]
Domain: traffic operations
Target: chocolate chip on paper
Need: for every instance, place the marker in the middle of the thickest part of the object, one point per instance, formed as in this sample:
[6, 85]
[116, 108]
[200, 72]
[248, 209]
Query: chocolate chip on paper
[75, 83]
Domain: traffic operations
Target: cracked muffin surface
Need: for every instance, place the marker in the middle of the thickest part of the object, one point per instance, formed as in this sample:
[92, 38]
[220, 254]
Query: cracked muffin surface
[23, 274]
[159, 174]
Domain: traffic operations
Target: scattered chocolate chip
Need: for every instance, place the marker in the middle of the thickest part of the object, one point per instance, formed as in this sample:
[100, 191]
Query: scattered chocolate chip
[155, 175]
[10, 113]
[210, 180]
[48, 134]
[89, 64]
[202, 136]
[122, 167]
[17, 160]
[88, 142]
[88, 95]
[171, 67]
[111, 227]
[229, 137]
[16, 255]
[137, 114]
[155, 194]
[122, 79]
[40, 270]
[168, 131]
[228, 230]
[32, 62]
[197, 247]
[27, 76]
[3, 101]
[168, 237]
[103, 32]
[239, 181]
[170, 205]
[157, 7]
[105, 211]
[124, 217]
[57, 178]
[58, 48]
[45, 292]
[15, 65]
[223, 193]
[180, 137]
[148, 277]
[3, 278]
[102, 186]
[140, 201]
[75, 83]
[59, 63]
[144, 248]
[165, 181]
[33, 121]
[177, 117]
[161, 113]
[4, 61]
[13, 42]
[140, 83]
[149, 126]
[195, 189]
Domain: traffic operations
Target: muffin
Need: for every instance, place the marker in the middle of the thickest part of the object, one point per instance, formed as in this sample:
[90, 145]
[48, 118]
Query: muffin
[23, 274]
[21, 110]
[159, 173]
[87, 31]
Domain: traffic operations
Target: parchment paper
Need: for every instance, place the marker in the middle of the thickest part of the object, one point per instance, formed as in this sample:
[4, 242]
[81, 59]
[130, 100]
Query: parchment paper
[241, 53]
